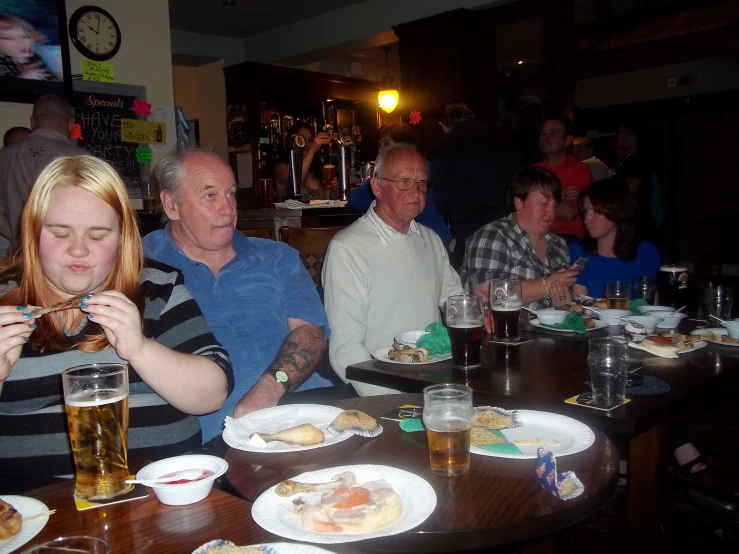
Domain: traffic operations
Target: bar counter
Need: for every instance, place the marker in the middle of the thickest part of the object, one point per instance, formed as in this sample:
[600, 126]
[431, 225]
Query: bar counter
[276, 218]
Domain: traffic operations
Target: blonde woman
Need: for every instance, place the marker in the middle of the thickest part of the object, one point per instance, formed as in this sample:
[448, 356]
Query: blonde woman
[18, 56]
[79, 235]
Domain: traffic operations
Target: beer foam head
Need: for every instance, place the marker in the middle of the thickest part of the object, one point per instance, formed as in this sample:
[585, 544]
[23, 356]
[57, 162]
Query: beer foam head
[94, 398]
[506, 308]
[462, 324]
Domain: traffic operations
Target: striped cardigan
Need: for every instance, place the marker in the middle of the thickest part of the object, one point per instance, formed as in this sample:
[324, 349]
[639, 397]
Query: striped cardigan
[34, 447]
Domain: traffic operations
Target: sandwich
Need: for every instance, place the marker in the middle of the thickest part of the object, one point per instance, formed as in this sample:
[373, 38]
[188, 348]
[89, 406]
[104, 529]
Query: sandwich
[663, 346]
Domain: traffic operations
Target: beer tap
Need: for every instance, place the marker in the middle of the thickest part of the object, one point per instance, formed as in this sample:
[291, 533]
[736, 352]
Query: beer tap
[296, 145]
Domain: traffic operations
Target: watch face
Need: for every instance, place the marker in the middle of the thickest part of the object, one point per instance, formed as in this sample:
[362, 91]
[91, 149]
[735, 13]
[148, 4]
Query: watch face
[95, 33]
[281, 377]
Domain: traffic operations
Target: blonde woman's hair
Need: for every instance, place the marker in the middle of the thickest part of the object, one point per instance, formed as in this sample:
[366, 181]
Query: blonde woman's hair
[9, 21]
[99, 178]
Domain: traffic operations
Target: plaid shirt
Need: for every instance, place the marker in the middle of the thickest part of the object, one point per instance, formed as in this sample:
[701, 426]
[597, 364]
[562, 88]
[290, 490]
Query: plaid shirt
[502, 250]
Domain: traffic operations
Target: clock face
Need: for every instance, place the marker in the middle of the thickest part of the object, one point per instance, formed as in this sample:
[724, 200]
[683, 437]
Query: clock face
[95, 33]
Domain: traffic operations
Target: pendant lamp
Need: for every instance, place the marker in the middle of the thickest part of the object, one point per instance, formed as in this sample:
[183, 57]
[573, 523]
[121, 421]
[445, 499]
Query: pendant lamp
[388, 95]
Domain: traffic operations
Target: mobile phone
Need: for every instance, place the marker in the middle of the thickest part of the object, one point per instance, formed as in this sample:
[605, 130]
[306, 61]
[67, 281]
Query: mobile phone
[579, 264]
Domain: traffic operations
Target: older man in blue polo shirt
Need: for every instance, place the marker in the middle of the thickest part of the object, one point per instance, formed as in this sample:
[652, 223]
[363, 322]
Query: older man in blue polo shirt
[255, 294]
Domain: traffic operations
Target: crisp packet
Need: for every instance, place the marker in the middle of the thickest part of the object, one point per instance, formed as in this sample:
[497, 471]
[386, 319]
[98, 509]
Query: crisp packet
[489, 417]
[562, 485]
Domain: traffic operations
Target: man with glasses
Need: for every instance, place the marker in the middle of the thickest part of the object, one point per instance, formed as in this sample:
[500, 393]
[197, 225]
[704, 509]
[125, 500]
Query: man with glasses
[385, 273]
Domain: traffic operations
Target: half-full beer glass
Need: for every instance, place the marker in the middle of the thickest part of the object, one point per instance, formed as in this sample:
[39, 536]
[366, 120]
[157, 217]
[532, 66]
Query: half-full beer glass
[447, 416]
[96, 401]
[464, 320]
[506, 302]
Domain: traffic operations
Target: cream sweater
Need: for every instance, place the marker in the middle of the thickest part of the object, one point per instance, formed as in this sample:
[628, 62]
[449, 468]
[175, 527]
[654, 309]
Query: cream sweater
[373, 290]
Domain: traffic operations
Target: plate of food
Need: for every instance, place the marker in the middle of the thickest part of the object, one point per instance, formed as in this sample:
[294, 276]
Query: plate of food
[519, 433]
[404, 354]
[716, 335]
[21, 519]
[590, 325]
[297, 427]
[345, 504]
[669, 344]
[220, 546]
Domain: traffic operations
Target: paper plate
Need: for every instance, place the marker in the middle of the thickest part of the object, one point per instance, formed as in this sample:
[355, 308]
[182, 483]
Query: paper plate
[271, 420]
[715, 331]
[275, 514]
[267, 548]
[27, 507]
[381, 354]
[410, 337]
[598, 325]
[570, 435]
[696, 346]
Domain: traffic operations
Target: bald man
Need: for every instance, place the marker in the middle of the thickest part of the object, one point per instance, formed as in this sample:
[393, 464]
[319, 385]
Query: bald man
[52, 120]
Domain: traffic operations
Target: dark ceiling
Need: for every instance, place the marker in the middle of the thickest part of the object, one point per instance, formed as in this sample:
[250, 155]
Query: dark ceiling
[247, 17]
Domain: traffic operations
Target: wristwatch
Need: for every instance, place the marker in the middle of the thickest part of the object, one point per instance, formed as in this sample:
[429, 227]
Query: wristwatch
[281, 377]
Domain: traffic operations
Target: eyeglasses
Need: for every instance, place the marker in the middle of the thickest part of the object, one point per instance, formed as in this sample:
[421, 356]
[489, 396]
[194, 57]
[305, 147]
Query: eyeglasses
[406, 183]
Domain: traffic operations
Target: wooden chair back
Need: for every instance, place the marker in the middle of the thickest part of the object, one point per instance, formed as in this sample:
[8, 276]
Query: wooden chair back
[260, 233]
[311, 244]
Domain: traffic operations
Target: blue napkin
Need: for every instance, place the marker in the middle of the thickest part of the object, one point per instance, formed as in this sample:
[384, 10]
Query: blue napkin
[651, 386]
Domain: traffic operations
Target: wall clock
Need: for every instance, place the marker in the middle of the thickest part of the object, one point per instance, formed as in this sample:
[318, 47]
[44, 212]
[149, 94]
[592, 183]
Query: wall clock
[95, 33]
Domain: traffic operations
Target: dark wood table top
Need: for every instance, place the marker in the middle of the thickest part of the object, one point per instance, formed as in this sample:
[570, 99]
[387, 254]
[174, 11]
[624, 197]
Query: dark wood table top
[542, 373]
[496, 503]
[147, 525]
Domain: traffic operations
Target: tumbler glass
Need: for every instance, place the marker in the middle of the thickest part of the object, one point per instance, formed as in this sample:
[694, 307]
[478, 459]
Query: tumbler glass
[447, 416]
[608, 361]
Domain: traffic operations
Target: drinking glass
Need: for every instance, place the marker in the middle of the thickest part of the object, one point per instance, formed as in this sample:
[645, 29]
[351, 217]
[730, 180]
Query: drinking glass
[644, 287]
[718, 300]
[464, 320]
[96, 402]
[506, 302]
[447, 416]
[617, 294]
[150, 197]
[608, 361]
[82, 543]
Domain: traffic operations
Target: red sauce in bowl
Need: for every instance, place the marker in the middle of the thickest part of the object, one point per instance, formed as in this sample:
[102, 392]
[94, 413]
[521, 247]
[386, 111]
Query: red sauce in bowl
[206, 473]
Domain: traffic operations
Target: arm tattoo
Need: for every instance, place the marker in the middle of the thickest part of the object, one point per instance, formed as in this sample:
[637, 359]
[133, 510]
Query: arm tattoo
[300, 354]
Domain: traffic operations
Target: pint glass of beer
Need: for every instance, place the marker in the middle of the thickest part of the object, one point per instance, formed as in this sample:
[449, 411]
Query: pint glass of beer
[96, 401]
[617, 294]
[464, 320]
[447, 416]
[506, 302]
[329, 174]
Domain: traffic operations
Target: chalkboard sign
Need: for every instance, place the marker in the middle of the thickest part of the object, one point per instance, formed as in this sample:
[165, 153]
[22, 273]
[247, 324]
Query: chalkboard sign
[98, 109]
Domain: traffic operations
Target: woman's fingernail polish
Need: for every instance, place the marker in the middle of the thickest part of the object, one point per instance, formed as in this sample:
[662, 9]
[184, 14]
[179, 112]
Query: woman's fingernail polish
[28, 316]
[21, 308]
[25, 339]
[89, 316]
[32, 325]
[83, 306]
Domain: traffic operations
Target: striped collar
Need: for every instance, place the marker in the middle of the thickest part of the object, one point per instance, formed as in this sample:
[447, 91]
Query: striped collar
[384, 230]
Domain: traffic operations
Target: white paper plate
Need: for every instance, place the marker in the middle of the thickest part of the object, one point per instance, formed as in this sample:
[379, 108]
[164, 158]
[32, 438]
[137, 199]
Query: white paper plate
[571, 435]
[276, 547]
[598, 325]
[716, 331]
[381, 354]
[275, 514]
[696, 346]
[27, 507]
[271, 420]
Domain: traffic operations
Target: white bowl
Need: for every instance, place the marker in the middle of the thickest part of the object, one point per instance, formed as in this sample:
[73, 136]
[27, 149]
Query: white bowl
[185, 493]
[733, 331]
[550, 316]
[410, 338]
[670, 320]
[644, 309]
[612, 317]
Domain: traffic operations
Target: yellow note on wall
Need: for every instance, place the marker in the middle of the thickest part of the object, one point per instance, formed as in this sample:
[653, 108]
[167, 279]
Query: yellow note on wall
[137, 130]
[97, 71]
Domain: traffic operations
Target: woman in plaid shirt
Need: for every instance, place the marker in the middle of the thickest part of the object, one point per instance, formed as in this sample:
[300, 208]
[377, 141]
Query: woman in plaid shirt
[520, 245]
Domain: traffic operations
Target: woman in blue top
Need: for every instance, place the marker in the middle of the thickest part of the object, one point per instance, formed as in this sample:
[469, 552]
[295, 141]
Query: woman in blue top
[611, 241]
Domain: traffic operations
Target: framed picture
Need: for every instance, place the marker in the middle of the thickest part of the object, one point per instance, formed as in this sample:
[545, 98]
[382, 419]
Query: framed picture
[34, 50]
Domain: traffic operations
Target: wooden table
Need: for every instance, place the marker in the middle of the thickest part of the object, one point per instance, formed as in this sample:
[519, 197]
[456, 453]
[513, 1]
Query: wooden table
[541, 374]
[496, 503]
[275, 219]
[146, 525]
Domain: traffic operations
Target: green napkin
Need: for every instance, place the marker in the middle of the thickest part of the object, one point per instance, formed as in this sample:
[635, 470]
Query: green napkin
[437, 341]
[573, 322]
[635, 304]
[411, 425]
[505, 447]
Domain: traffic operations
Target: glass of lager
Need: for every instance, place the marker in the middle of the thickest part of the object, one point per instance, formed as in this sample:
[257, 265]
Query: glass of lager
[464, 320]
[96, 401]
[506, 302]
[447, 416]
[617, 294]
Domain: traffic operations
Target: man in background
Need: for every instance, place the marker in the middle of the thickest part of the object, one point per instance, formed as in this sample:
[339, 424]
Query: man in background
[15, 135]
[582, 149]
[52, 120]
[555, 138]
[385, 273]
[472, 168]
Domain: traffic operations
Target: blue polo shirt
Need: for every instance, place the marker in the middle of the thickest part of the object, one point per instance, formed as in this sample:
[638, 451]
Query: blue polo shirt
[247, 307]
